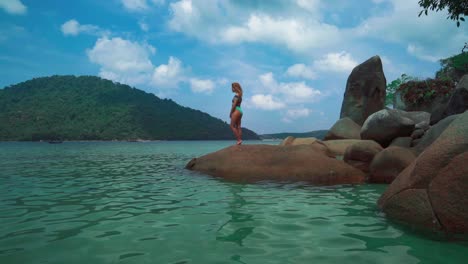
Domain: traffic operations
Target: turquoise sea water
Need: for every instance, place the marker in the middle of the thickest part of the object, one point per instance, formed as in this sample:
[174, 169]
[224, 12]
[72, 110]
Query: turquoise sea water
[119, 202]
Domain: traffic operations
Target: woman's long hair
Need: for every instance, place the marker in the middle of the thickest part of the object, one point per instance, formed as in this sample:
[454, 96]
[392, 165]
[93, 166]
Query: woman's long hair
[237, 88]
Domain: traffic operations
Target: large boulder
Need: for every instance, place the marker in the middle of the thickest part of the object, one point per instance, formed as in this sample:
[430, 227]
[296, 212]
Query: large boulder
[361, 154]
[438, 113]
[388, 163]
[457, 104]
[386, 125]
[365, 91]
[252, 163]
[449, 195]
[432, 192]
[345, 128]
[420, 118]
[432, 134]
[459, 100]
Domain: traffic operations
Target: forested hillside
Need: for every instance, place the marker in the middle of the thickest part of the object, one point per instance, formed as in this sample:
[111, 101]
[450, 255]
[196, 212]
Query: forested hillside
[91, 108]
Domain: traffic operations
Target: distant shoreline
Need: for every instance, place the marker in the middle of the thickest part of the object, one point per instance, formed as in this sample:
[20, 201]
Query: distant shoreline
[137, 141]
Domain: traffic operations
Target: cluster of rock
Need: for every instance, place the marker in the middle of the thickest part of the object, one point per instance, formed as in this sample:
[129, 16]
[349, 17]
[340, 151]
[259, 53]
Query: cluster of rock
[422, 160]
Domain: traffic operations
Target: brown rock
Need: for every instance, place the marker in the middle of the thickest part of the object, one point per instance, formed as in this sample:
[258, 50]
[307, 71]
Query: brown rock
[436, 161]
[292, 141]
[345, 128]
[361, 154]
[432, 134]
[404, 142]
[287, 141]
[449, 195]
[365, 91]
[459, 100]
[417, 133]
[338, 147]
[252, 163]
[457, 104]
[415, 142]
[388, 163]
[420, 118]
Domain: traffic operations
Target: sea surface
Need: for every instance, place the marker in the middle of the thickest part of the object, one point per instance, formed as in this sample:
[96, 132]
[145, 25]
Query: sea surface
[133, 202]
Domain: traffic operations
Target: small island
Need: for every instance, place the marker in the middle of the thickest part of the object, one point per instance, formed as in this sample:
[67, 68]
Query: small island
[59, 108]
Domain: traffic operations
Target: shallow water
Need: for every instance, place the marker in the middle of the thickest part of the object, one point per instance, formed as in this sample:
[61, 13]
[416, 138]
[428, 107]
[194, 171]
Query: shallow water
[119, 202]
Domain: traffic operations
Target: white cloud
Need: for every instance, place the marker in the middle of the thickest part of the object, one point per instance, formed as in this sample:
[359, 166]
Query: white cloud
[301, 71]
[336, 62]
[309, 5]
[268, 81]
[266, 102]
[143, 26]
[15, 7]
[135, 5]
[297, 113]
[291, 92]
[72, 27]
[122, 60]
[202, 86]
[168, 75]
[185, 15]
[140, 5]
[290, 32]
[305, 27]
[418, 52]
[129, 62]
[299, 92]
[232, 22]
[435, 34]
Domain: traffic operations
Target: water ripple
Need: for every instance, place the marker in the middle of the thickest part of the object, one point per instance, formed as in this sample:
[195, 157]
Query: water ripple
[134, 203]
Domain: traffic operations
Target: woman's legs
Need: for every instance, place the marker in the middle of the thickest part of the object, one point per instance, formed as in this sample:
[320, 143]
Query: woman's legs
[235, 118]
[239, 129]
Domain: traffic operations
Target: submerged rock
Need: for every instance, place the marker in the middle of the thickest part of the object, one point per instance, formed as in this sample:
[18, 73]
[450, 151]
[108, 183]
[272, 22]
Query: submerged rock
[252, 163]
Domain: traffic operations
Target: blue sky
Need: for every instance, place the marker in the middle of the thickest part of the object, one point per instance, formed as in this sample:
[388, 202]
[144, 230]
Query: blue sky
[292, 57]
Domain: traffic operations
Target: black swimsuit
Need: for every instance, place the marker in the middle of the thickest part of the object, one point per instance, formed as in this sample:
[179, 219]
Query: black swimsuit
[239, 100]
[238, 103]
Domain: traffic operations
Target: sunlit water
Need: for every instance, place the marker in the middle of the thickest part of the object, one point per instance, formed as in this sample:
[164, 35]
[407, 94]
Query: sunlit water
[119, 202]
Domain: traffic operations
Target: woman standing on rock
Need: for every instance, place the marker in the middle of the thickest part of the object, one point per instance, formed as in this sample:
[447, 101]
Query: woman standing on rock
[236, 112]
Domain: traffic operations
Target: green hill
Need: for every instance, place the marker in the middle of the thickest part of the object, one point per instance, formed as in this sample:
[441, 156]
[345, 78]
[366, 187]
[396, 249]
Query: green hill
[91, 108]
[320, 134]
